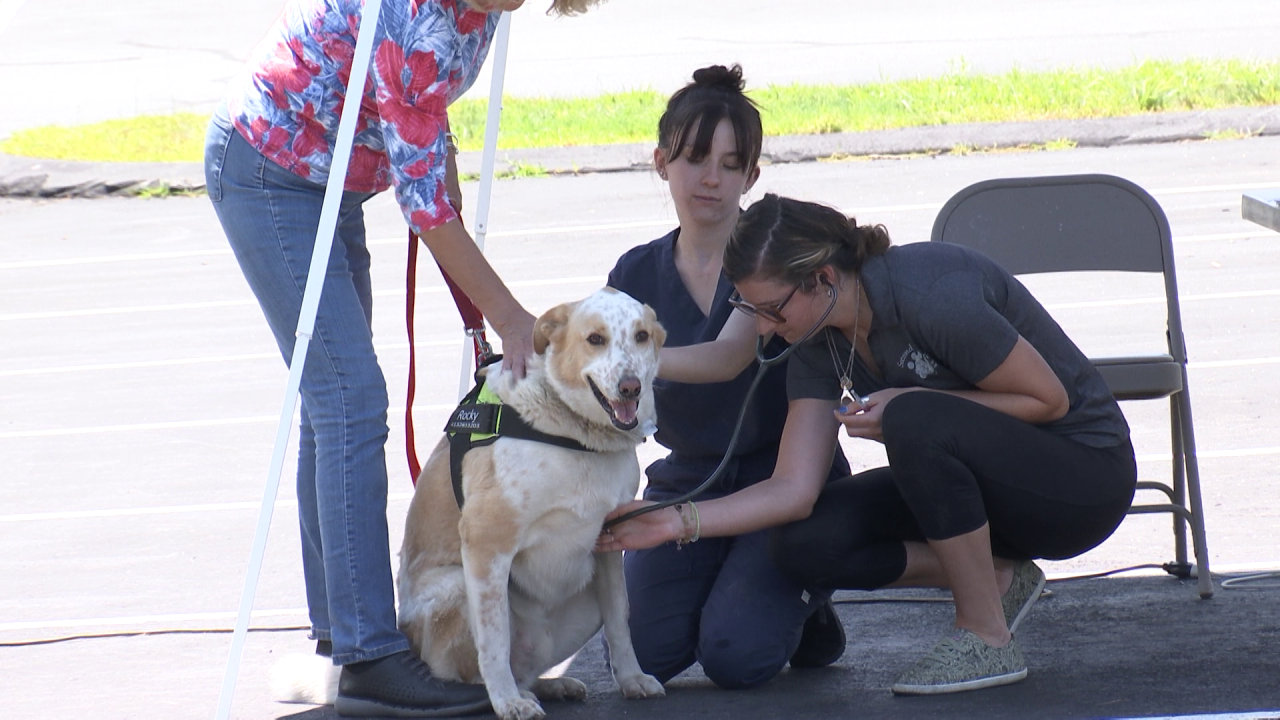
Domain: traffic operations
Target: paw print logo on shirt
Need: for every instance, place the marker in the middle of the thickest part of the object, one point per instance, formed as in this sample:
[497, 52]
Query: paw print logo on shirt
[918, 362]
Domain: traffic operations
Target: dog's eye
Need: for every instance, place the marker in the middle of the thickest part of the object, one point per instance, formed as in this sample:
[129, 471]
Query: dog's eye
[595, 339]
[642, 337]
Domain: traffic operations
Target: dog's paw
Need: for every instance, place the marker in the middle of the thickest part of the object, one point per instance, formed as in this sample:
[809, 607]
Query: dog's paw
[522, 708]
[561, 688]
[641, 686]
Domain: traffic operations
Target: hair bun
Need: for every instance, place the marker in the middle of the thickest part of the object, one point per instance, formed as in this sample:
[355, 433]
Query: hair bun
[720, 77]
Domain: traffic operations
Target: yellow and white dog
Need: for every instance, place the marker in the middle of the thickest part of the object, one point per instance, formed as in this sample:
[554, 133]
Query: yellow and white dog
[508, 586]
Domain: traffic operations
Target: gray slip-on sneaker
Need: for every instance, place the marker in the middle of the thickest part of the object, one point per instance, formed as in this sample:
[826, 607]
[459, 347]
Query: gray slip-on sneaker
[962, 661]
[1028, 584]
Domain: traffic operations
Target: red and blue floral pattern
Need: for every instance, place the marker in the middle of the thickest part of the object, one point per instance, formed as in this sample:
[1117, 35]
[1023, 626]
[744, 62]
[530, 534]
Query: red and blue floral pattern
[426, 54]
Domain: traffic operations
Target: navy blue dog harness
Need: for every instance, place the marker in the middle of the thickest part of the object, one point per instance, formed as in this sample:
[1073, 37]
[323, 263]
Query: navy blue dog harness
[481, 418]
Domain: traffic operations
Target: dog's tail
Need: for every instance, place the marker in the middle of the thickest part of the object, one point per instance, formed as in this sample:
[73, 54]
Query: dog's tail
[308, 679]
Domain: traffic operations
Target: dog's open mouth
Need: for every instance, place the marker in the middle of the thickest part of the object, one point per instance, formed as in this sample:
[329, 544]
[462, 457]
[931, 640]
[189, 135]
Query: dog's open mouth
[621, 412]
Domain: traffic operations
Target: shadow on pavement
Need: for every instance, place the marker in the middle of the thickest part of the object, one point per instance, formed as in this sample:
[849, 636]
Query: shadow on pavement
[1102, 647]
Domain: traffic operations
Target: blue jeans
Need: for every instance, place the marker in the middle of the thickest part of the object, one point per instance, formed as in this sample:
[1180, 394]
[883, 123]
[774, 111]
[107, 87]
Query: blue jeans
[270, 217]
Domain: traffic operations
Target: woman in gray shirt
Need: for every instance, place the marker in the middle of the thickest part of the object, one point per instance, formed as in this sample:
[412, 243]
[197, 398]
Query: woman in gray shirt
[1004, 443]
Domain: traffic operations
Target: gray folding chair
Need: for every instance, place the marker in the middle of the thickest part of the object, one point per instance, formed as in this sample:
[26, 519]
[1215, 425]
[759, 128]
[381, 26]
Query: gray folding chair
[1099, 223]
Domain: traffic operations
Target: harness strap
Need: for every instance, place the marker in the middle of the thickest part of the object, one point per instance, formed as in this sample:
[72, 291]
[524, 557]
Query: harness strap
[480, 419]
[471, 425]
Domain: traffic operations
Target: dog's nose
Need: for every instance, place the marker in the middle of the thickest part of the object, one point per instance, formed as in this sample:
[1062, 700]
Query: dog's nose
[629, 387]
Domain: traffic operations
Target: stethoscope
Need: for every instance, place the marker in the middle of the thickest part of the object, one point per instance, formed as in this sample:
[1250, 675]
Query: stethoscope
[765, 364]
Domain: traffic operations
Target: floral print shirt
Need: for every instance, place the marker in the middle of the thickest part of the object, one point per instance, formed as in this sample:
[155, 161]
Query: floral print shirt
[426, 53]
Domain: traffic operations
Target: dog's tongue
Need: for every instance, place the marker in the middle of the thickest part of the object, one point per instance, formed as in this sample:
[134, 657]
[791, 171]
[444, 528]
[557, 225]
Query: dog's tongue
[624, 411]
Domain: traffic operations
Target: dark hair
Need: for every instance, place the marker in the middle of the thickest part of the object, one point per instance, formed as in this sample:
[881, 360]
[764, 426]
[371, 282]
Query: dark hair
[695, 110]
[786, 240]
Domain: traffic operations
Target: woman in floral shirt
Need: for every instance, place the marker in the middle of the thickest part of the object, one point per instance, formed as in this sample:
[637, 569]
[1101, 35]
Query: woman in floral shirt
[267, 159]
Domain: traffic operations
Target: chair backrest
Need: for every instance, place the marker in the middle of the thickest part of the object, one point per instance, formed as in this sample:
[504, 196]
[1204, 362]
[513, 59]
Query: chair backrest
[1066, 223]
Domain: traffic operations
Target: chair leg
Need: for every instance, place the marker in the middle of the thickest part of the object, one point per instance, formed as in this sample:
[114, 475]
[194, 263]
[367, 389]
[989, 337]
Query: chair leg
[1180, 566]
[1196, 504]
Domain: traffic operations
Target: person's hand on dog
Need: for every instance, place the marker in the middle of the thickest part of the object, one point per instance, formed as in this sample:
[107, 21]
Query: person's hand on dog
[644, 531]
[517, 342]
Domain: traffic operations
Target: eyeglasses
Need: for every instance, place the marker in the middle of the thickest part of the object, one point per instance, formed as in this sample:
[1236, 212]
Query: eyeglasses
[769, 311]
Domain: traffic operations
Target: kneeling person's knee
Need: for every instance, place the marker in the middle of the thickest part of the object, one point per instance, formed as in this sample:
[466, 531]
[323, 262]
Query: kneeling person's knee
[734, 662]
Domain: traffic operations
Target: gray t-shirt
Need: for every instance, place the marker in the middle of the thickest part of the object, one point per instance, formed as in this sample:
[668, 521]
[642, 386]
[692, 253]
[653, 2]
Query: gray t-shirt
[945, 317]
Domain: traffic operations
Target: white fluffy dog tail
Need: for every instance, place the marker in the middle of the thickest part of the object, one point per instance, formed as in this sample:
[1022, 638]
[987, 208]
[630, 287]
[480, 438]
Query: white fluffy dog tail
[305, 679]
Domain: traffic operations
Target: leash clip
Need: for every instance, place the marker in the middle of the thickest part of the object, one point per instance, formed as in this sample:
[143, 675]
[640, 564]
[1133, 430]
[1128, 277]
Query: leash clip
[484, 351]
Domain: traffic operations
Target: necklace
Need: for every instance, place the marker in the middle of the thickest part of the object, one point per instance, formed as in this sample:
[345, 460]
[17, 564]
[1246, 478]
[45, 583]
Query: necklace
[846, 384]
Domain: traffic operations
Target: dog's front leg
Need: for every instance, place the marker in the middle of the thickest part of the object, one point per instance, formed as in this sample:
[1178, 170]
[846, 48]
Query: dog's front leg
[611, 590]
[487, 572]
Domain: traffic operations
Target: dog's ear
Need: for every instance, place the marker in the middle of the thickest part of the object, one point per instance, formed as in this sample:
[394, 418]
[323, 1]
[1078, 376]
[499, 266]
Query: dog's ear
[550, 325]
[656, 332]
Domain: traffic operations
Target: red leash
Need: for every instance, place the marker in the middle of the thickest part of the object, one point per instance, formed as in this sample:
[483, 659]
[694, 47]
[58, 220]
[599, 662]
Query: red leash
[472, 321]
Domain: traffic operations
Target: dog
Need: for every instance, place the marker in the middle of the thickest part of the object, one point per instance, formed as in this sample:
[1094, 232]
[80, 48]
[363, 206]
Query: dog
[508, 586]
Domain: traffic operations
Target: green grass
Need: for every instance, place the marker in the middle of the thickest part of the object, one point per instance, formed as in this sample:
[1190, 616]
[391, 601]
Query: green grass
[957, 97]
[151, 138]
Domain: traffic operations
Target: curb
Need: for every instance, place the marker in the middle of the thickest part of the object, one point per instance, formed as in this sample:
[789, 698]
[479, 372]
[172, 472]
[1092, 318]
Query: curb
[22, 177]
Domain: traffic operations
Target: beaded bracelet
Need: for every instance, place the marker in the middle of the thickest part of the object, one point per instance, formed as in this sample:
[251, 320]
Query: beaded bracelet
[690, 537]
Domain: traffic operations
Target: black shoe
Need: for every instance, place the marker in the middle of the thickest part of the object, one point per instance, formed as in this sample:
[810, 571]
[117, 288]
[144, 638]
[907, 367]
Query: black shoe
[401, 685]
[324, 648]
[821, 640]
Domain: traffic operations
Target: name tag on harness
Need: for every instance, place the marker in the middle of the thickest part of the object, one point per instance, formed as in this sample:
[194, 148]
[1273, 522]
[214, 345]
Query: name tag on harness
[468, 419]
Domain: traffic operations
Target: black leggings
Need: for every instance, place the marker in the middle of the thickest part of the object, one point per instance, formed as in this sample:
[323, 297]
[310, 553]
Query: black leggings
[955, 465]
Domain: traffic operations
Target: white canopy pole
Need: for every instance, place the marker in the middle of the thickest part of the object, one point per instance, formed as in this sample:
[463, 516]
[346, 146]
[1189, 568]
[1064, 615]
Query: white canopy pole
[306, 324]
[499, 65]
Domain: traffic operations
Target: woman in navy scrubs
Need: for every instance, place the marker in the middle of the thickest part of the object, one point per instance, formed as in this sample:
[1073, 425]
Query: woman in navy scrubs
[719, 602]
